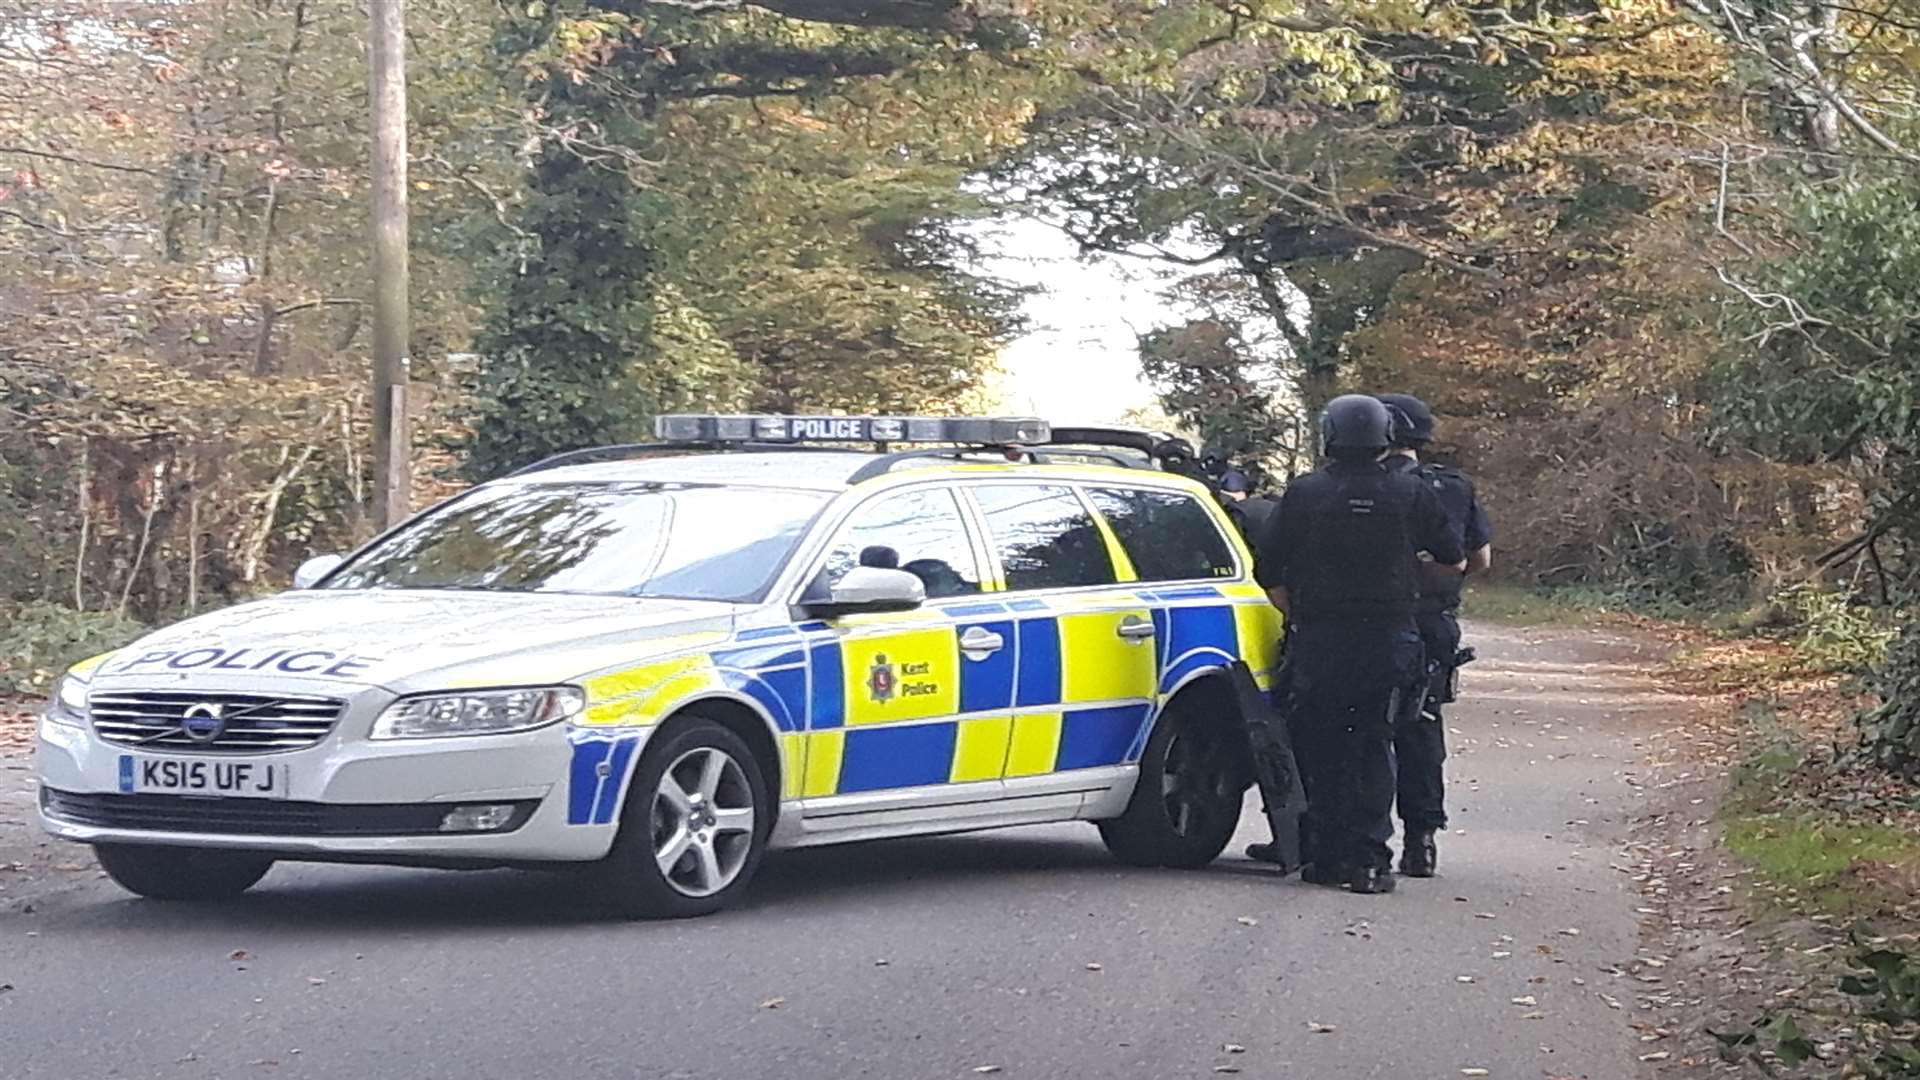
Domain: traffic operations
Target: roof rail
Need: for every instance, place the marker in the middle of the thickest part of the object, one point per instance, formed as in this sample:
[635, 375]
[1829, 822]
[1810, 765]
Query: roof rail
[884, 464]
[625, 451]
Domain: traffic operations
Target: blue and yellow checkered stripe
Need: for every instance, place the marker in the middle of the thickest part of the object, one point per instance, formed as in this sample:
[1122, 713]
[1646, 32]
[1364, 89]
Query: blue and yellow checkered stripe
[1064, 692]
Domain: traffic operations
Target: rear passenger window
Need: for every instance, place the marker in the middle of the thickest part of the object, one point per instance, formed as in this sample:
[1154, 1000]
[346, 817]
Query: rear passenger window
[1168, 535]
[1045, 537]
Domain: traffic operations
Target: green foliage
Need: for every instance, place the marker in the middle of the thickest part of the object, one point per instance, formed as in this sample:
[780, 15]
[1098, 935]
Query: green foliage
[1208, 382]
[745, 208]
[1825, 364]
[1891, 730]
[41, 640]
[1829, 361]
[1834, 631]
[564, 343]
[1884, 983]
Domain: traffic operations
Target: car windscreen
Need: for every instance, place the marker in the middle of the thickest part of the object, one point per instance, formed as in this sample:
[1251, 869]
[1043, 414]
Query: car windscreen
[678, 541]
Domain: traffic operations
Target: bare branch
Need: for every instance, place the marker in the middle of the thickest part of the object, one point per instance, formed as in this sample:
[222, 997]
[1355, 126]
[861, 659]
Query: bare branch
[111, 166]
[308, 305]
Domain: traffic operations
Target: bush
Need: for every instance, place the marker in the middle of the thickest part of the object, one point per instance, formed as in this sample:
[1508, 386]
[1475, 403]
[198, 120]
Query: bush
[40, 640]
[1831, 632]
[1891, 732]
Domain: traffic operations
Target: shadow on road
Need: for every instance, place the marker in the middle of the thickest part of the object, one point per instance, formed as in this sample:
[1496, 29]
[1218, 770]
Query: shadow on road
[323, 898]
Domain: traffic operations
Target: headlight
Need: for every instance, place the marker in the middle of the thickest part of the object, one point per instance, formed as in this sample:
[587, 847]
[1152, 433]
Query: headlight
[69, 704]
[477, 712]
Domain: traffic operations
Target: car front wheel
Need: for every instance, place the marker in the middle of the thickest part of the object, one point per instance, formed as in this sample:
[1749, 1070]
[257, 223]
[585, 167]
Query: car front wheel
[694, 828]
[172, 873]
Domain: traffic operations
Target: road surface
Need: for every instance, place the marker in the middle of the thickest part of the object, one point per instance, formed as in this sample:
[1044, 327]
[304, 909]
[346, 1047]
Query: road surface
[1025, 953]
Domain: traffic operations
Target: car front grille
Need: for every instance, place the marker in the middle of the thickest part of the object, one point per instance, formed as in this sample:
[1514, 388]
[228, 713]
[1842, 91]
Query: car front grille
[248, 723]
[254, 817]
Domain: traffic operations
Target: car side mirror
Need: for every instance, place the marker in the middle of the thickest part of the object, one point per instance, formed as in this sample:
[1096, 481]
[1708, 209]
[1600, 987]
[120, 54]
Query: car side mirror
[314, 569]
[867, 589]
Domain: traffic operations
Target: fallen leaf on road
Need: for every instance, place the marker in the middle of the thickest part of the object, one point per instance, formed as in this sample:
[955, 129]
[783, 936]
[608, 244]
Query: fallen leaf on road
[773, 1003]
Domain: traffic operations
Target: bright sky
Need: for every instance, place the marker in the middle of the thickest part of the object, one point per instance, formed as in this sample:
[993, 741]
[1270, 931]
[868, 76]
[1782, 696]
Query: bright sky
[1078, 363]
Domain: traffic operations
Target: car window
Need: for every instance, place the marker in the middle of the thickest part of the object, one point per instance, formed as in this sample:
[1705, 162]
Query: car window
[679, 541]
[1045, 537]
[1168, 535]
[920, 532]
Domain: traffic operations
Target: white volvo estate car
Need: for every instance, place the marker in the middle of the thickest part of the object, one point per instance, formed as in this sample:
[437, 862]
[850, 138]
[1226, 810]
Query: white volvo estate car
[656, 663]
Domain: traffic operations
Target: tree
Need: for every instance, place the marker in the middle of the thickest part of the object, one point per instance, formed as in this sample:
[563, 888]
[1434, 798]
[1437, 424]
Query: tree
[782, 176]
[181, 282]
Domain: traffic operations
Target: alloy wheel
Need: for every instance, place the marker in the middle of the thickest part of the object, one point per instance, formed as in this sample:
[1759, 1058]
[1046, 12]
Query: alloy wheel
[703, 821]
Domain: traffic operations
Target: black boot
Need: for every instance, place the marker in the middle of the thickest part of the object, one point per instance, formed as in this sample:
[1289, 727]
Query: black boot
[1422, 856]
[1371, 880]
[1331, 875]
[1266, 853]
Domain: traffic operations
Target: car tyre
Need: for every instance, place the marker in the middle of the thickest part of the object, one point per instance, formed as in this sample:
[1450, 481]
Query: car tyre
[694, 828]
[1186, 804]
[173, 873]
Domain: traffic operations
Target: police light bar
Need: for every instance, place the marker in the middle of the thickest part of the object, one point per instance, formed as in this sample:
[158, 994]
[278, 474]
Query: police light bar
[972, 431]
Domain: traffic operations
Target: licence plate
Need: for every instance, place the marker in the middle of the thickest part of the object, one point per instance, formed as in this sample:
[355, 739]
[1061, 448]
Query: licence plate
[212, 778]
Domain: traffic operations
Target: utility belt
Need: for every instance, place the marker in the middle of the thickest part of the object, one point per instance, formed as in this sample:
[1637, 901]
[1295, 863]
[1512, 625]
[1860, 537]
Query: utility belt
[1441, 588]
[1443, 676]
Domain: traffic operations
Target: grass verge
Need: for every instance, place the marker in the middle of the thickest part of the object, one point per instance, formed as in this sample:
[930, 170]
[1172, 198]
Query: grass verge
[1521, 605]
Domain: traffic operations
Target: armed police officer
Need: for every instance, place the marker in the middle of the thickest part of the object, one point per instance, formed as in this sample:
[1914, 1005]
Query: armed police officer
[1250, 510]
[1342, 562]
[1420, 742]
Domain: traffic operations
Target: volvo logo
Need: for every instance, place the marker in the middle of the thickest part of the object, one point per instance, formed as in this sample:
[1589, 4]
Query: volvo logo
[203, 723]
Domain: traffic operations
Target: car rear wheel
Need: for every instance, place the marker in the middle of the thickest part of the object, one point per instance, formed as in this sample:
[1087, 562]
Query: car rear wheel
[1186, 804]
[172, 873]
[694, 828]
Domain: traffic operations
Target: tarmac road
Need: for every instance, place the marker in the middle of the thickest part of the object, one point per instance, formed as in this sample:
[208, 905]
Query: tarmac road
[1026, 953]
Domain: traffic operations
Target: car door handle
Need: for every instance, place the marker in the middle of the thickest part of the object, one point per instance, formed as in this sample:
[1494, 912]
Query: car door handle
[980, 640]
[1135, 629]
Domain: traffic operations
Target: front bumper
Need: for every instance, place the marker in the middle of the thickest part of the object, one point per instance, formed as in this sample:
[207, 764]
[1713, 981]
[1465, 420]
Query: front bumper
[349, 799]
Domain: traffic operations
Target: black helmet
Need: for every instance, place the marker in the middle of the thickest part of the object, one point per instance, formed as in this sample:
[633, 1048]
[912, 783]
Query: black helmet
[1412, 420]
[1356, 422]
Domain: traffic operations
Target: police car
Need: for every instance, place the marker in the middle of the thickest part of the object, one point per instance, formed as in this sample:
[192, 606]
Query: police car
[658, 662]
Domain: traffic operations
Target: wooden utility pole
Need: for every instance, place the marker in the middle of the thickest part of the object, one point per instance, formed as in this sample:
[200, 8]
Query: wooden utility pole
[387, 94]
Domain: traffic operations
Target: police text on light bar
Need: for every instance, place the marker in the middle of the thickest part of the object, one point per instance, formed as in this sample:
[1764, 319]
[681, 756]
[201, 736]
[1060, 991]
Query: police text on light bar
[971, 431]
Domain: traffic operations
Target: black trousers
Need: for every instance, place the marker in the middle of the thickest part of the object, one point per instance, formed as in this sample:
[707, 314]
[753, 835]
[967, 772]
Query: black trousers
[1350, 677]
[1420, 736]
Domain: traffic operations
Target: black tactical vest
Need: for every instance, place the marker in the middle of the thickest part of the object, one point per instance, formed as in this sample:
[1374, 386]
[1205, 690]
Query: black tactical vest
[1358, 561]
[1440, 587]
